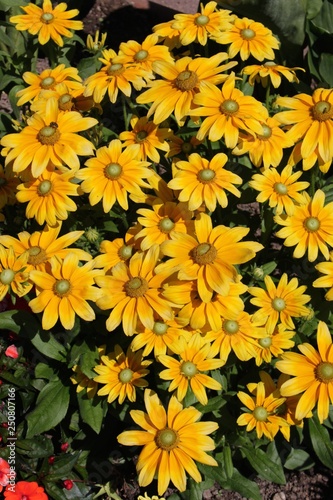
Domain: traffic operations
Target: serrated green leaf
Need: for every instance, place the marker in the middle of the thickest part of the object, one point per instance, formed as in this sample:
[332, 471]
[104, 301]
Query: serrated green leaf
[321, 441]
[51, 408]
[91, 411]
[264, 466]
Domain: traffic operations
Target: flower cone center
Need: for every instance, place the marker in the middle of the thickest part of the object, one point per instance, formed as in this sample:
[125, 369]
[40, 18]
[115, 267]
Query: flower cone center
[65, 102]
[278, 304]
[49, 135]
[186, 80]
[136, 287]
[202, 20]
[266, 133]
[280, 188]
[247, 34]
[125, 252]
[141, 55]
[141, 136]
[166, 225]
[47, 18]
[230, 326]
[166, 439]
[47, 82]
[36, 256]
[7, 276]
[160, 328]
[322, 111]
[125, 376]
[113, 171]
[44, 188]
[260, 413]
[312, 224]
[324, 372]
[205, 253]
[62, 288]
[205, 176]
[265, 342]
[187, 148]
[115, 69]
[270, 63]
[229, 107]
[188, 369]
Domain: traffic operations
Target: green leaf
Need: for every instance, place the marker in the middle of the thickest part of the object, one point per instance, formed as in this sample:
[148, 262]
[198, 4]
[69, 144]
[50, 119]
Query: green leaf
[7, 4]
[313, 7]
[7, 321]
[91, 410]
[321, 441]
[52, 404]
[324, 19]
[298, 460]
[45, 342]
[326, 67]
[212, 405]
[38, 447]
[247, 488]
[44, 371]
[63, 465]
[266, 468]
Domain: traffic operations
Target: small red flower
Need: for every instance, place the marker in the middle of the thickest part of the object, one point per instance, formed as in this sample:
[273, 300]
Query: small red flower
[68, 484]
[4, 471]
[64, 447]
[12, 352]
[25, 490]
[51, 460]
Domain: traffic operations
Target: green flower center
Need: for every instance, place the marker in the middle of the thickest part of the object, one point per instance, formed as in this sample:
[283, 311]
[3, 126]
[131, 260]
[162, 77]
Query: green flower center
[205, 253]
[49, 135]
[278, 304]
[280, 188]
[322, 111]
[65, 102]
[187, 148]
[270, 63]
[125, 376]
[229, 107]
[115, 69]
[230, 326]
[166, 225]
[324, 372]
[160, 328]
[136, 287]
[312, 224]
[44, 187]
[36, 256]
[266, 133]
[166, 439]
[266, 342]
[188, 369]
[141, 136]
[247, 34]
[125, 252]
[113, 171]
[141, 55]
[206, 175]
[202, 20]
[7, 276]
[62, 288]
[47, 18]
[260, 413]
[47, 82]
[186, 80]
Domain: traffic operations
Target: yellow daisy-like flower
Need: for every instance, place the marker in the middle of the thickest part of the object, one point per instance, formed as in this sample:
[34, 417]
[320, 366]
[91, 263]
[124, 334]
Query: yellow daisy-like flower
[162, 222]
[48, 22]
[113, 174]
[42, 245]
[49, 138]
[182, 145]
[115, 75]
[162, 337]
[312, 373]
[273, 344]
[8, 186]
[249, 38]
[202, 25]
[195, 358]
[49, 79]
[210, 257]
[181, 80]
[282, 302]
[228, 111]
[146, 497]
[270, 72]
[113, 252]
[325, 281]
[64, 290]
[67, 99]
[121, 373]
[280, 190]
[203, 181]
[310, 121]
[266, 148]
[13, 274]
[238, 334]
[83, 382]
[48, 196]
[310, 228]
[262, 415]
[168, 34]
[172, 440]
[134, 293]
[149, 137]
[143, 55]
